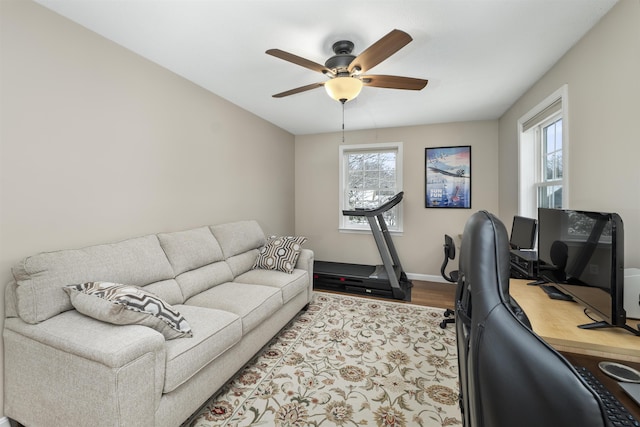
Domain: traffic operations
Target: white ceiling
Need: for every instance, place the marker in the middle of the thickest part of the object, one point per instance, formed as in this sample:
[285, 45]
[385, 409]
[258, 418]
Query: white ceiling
[479, 56]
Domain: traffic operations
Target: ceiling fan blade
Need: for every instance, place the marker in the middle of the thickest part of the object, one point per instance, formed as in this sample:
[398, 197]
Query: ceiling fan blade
[298, 90]
[394, 82]
[298, 60]
[380, 50]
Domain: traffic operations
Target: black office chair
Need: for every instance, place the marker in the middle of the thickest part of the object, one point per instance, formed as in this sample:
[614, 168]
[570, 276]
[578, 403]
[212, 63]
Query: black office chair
[449, 254]
[509, 376]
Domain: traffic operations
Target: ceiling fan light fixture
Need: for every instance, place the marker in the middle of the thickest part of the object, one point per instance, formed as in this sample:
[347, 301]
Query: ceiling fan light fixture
[343, 89]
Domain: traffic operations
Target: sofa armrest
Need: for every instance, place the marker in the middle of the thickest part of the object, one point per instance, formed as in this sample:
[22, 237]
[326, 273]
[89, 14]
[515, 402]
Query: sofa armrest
[92, 372]
[305, 262]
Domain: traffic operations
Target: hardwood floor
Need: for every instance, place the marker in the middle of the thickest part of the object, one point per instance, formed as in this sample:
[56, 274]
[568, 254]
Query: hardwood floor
[433, 294]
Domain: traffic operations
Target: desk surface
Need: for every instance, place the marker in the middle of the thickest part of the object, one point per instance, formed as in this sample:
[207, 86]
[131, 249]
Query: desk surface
[556, 322]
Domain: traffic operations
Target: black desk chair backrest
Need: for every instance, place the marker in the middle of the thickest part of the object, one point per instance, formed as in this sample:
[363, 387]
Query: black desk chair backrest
[449, 254]
[508, 375]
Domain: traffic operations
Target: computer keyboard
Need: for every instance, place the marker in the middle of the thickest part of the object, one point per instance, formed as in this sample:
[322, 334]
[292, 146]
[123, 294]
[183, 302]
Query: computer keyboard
[616, 412]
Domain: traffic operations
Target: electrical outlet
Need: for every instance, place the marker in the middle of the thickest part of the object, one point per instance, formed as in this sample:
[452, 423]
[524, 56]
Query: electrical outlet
[593, 269]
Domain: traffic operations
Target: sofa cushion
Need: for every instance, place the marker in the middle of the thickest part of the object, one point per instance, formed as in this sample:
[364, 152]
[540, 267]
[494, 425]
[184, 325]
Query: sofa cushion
[40, 278]
[214, 332]
[168, 290]
[253, 303]
[128, 305]
[242, 262]
[238, 237]
[190, 249]
[289, 284]
[195, 281]
[280, 253]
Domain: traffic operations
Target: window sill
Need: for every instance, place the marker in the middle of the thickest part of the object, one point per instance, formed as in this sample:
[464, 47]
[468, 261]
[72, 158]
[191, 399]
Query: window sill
[367, 231]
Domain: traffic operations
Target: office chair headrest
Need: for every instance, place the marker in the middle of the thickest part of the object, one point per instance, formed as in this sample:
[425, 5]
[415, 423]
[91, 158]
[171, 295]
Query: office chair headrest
[449, 246]
[486, 237]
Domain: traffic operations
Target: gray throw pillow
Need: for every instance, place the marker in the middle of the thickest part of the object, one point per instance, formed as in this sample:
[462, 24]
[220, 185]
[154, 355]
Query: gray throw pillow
[280, 253]
[128, 305]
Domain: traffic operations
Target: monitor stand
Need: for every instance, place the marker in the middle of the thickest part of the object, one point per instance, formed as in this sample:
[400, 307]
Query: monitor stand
[603, 324]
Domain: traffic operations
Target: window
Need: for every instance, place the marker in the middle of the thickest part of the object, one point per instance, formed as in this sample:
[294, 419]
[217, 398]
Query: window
[370, 174]
[549, 184]
[543, 156]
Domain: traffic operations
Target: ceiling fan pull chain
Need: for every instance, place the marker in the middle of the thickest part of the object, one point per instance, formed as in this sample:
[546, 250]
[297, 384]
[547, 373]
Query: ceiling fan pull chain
[343, 122]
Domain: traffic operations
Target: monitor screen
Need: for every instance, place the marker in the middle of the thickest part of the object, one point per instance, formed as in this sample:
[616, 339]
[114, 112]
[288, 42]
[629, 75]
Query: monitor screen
[523, 233]
[582, 253]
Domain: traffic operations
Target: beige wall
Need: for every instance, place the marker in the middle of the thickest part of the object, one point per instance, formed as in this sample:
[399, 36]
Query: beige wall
[601, 72]
[99, 145]
[420, 247]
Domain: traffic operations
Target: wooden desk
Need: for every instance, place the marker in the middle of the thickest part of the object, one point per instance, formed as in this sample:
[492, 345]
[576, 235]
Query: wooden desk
[556, 322]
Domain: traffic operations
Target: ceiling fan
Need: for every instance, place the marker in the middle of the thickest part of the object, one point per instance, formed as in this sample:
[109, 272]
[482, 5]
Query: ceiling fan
[345, 70]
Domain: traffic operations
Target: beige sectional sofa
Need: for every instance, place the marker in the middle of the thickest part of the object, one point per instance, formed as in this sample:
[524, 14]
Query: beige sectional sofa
[64, 368]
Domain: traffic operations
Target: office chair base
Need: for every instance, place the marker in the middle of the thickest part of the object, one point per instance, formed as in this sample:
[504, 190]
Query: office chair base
[447, 313]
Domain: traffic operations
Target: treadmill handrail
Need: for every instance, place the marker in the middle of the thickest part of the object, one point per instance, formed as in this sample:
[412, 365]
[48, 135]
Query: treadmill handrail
[376, 211]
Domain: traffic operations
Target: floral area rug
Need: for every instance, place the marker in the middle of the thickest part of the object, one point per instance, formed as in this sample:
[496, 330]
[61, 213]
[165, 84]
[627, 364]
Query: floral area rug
[346, 361]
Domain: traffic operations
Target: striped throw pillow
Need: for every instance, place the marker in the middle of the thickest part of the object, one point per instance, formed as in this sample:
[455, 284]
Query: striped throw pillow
[128, 305]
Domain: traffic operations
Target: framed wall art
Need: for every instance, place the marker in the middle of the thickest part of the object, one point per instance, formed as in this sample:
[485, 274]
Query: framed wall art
[447, 177]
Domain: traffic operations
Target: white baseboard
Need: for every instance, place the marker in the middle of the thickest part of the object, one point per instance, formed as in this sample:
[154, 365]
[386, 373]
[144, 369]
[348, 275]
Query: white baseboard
[4, 422]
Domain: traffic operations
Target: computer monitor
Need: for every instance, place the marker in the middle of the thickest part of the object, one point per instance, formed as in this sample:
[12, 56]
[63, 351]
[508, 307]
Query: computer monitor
[582, 253]
[523, 233]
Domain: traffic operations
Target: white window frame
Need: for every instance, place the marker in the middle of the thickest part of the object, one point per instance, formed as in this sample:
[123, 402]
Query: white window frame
[530, 152]
[343, 224]
[540, 180]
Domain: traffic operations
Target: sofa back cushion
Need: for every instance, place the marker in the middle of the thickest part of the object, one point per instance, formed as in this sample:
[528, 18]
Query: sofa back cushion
[168, 290]
[197, 260]
[239, 242]
[193, 282]
[40, 278]
[190, 249]
[238, 237]
[241, 263]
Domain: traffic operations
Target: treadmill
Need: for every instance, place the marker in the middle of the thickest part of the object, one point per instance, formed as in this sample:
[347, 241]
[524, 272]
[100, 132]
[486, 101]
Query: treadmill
[387, 280]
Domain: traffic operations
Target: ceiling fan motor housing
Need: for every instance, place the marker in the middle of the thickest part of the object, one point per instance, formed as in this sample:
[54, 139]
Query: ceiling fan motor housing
[342, 58]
